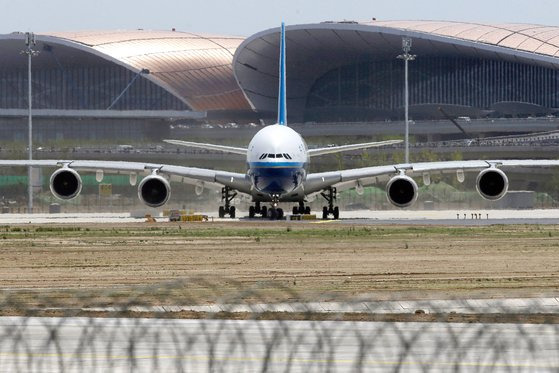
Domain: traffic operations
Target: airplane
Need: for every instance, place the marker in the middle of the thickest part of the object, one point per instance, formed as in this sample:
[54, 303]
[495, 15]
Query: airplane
[277, 171]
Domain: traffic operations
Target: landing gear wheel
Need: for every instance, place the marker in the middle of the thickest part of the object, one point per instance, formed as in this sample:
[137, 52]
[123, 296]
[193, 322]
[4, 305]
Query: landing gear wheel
[295, 210]
[307, 210]
[279, 214]
[336, 213]
[227, 195]
[330, 196]
[273, 214]
[264, 211]
[251, 212]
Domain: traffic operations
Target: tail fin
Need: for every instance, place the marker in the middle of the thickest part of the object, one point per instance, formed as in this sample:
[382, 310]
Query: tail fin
[282, 107]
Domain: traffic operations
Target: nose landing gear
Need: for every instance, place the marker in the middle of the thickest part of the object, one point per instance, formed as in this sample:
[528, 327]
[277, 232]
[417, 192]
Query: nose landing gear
[330, 197]
[275, 212]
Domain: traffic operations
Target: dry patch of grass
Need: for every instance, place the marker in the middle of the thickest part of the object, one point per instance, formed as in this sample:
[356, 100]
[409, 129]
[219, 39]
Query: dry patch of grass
[287, 260]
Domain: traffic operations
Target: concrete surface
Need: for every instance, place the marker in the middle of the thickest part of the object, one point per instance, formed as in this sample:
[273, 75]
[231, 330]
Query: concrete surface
[442, 217]
[466, 306]
[160, 345]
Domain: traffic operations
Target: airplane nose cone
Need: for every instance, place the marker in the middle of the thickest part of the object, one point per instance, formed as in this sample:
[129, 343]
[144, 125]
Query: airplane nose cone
[277, 180]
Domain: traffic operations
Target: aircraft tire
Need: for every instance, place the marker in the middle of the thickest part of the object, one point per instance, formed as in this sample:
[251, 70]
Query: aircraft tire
[221, 212]
[264, 212]
[307, 210]
[232, 212]
[251, 212]
[279, 214]
[325, 213]
[336, 212]
[295, 210]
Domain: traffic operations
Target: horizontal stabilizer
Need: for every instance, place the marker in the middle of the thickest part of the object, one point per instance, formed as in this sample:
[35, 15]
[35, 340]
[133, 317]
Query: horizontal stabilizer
[343, 148]
[222, 148]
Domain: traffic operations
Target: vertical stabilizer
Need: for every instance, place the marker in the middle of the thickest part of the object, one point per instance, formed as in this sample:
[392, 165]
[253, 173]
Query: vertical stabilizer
[282, 107]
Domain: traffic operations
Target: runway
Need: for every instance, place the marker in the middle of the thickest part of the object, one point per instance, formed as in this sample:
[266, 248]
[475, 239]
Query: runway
[158, 345]
[365, 217]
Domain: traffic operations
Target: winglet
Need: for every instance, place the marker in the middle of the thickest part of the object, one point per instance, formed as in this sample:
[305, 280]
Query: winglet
[282, 107]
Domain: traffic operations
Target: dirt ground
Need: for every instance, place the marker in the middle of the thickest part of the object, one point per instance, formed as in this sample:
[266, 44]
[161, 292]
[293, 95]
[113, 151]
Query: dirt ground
[325, 261]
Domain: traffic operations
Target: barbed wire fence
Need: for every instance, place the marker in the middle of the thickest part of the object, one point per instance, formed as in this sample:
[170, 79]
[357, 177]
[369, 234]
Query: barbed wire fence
[198, 325]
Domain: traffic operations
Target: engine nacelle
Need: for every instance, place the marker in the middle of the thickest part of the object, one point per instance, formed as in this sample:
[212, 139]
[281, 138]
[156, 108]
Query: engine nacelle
[65, 183]
[492, 183]
[401, 191]
[199, 188]
[154, 190]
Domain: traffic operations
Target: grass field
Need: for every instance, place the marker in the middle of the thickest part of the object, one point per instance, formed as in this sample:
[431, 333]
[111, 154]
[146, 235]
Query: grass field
[314, 261]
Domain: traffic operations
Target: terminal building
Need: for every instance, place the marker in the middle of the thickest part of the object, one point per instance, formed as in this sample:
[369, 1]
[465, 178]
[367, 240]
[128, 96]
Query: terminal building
[349, 71]
[135, 84]
[123, 84]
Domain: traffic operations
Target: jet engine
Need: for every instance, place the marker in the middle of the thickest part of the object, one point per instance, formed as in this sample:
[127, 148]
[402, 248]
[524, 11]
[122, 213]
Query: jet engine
[492, 183]
[401, 191]
[199, 188]
[154, 190]
[65, 183]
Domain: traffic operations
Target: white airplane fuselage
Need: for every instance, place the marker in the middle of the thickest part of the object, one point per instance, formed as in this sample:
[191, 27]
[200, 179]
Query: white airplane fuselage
[277, 161]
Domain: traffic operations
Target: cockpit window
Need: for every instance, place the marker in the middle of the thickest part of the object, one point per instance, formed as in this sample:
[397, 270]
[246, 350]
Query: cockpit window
[278, 155]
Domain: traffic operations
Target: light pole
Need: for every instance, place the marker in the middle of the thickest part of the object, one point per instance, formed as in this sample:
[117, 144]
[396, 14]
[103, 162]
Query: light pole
[30, 43]
[406, 56]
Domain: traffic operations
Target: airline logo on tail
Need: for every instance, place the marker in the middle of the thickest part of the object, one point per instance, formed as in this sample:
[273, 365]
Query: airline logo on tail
[282, 107]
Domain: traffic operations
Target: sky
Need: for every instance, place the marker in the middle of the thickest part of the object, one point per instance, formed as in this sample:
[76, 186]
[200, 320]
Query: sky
[246, 17]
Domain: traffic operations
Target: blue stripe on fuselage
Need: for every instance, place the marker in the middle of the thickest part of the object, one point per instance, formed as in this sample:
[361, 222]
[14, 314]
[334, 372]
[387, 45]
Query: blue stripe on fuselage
[276, 164]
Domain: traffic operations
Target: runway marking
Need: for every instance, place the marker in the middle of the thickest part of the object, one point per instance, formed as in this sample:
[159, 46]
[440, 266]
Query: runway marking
[322, 221]
[205, 358]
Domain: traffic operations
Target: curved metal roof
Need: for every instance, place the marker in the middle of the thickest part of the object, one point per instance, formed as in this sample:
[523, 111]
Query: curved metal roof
[315, 49]
[538, 39]
[196, 68]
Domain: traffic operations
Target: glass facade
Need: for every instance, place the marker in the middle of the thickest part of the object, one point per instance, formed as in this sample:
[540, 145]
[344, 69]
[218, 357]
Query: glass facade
[54, 129]
[374, 90]
[85, 88]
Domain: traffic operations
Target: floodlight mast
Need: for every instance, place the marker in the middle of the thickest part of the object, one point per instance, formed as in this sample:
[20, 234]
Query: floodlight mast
[406, 56]
[30, 43]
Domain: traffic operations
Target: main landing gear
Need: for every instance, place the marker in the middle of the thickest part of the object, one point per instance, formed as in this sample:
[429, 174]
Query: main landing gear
[330, 197]
[256, 209]
[227, 195]
[274, 213]
[301, 209]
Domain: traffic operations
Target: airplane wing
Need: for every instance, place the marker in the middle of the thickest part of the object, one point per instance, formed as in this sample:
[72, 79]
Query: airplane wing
[343, 148]
[189, 175]
[312, 152]
[316, 182]
[222, 148]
